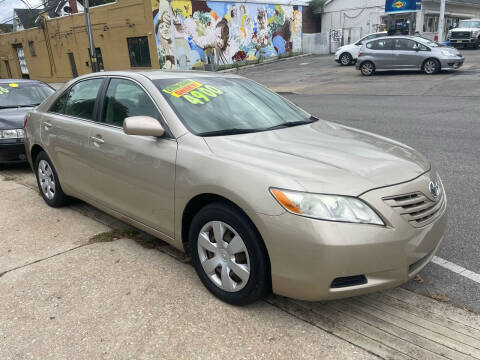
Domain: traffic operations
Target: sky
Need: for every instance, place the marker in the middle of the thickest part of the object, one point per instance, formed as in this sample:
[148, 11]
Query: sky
[7, 6]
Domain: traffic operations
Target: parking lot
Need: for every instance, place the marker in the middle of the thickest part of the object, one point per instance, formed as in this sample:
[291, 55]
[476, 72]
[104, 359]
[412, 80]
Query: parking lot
[77, 283]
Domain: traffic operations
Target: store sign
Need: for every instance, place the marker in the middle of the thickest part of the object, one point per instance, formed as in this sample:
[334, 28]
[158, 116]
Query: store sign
[392, 6]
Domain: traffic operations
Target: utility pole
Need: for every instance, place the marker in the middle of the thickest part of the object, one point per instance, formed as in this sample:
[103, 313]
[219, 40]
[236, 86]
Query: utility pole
[441, 21]
[93, 56]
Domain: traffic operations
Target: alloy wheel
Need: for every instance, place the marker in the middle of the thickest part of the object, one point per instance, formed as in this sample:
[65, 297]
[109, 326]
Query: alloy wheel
[367, 68]
[345, 59]
[46, 179]
[430, 67]
[223, 256]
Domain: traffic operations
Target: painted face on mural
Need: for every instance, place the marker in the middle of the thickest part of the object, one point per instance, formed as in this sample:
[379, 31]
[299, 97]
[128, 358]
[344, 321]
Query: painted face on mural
[222, 31]
[163, 26]
[262, 19]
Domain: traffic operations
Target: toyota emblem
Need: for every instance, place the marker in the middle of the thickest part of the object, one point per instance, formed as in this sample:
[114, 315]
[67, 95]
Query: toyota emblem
[434, 188]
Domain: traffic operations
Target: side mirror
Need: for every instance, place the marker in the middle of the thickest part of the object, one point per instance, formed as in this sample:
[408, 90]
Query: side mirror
[416, 48]
[143, 126]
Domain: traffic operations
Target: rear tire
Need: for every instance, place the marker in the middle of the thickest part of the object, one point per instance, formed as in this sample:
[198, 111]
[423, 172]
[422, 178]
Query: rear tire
[228, 254]
[367, 68]
[431, 66]
[346, 59]
[48, 183]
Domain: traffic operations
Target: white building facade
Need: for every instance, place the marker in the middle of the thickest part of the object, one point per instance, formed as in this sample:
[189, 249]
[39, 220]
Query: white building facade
[346, 21]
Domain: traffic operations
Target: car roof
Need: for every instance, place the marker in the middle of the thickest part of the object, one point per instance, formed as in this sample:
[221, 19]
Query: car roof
[21, 81]
[164, 74]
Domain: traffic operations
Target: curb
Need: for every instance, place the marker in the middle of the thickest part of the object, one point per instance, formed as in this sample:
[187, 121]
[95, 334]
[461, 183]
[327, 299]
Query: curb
[266, 62]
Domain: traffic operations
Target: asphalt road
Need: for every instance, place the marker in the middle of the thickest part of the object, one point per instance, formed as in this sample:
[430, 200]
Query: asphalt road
[438, 115]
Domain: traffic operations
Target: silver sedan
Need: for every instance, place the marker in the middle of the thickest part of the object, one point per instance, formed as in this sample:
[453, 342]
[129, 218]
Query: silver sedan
[407, 53]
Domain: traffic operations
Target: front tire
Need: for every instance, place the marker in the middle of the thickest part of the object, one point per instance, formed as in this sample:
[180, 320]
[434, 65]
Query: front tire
[48, 183]
[367, 68]
[346, 59]
[431, 66]
[228, 254]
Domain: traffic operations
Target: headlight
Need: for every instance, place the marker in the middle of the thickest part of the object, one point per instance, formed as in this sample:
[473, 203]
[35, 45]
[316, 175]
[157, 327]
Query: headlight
[327, 207]
[448, 53]
[12, 134]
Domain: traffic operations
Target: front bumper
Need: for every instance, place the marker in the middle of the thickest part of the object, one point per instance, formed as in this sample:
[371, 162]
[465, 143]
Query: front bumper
[308, 255]
[12, 151]
[471, 41]
[452, 63]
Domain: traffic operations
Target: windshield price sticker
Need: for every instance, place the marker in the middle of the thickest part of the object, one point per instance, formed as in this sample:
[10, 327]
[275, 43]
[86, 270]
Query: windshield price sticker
[193, 91]
[14, 85]
[3, 90]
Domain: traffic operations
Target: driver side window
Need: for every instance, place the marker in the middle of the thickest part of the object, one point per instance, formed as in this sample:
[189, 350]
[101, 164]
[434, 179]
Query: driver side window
[124, 98]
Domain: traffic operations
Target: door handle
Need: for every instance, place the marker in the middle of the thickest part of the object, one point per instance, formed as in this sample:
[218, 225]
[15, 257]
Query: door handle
[97, 140]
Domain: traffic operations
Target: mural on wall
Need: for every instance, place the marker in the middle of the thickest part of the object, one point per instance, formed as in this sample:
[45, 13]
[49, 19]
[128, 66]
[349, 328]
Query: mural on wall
[195, 33]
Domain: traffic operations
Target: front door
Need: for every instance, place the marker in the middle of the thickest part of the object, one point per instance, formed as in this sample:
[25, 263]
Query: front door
[406, 54]
[65, 133]
[134, 175]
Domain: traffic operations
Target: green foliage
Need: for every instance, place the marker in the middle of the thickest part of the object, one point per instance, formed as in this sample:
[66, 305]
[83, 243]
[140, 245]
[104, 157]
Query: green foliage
[317, 5]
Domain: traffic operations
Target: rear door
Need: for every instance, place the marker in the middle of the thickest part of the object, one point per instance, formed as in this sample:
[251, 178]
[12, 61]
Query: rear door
[134, 175]
[406, 54]
[381, 50]
[65, 134]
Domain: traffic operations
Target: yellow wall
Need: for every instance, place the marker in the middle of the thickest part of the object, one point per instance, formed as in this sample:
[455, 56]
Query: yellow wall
[112, 24]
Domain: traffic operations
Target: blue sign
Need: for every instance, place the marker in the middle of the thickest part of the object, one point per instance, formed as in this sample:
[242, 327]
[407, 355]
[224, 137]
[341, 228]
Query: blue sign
[393, 6]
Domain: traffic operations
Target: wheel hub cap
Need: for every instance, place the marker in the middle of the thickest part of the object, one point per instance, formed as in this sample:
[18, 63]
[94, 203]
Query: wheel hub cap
[46, 179]
[224, 256]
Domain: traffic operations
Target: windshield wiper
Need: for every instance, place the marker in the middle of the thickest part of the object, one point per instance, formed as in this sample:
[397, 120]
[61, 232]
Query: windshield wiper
[292, 123]
[28, 105]
[18, 106]
[232, 131]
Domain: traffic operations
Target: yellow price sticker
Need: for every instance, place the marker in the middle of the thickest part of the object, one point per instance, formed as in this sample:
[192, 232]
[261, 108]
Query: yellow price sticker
[14, 85]
[193, 91]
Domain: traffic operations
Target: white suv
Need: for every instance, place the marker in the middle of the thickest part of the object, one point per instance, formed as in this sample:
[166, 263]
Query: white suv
[348, 54]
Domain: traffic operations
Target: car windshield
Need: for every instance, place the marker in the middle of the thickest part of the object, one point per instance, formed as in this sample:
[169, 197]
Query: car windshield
[225, 106]
[20, 94]
[469, 24]
[427, 42]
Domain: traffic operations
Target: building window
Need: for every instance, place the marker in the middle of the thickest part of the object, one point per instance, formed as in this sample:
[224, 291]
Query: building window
[139, 52]
[430, 23]
[32, 49]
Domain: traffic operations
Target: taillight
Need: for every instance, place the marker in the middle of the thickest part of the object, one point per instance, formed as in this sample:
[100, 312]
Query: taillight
[25, 120]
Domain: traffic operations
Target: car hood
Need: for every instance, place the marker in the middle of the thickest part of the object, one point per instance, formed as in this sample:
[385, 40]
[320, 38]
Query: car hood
[463, 29]
[13, 118]
[324, 157]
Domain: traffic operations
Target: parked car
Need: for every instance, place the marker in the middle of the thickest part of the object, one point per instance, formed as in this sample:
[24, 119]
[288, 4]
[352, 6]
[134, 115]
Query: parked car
[467, 34]
[348, 54]
[17, 97]
[260, 193]
[407, 53]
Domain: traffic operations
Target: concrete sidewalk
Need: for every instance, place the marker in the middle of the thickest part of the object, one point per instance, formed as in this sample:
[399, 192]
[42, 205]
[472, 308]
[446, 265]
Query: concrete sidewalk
[66, 295]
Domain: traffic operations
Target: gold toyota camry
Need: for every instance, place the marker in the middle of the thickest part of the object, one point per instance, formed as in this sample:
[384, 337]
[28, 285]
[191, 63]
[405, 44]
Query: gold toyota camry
[262, 195]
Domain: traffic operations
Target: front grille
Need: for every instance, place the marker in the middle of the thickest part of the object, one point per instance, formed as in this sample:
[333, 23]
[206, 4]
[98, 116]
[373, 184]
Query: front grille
[416, 208]
[460, 35]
